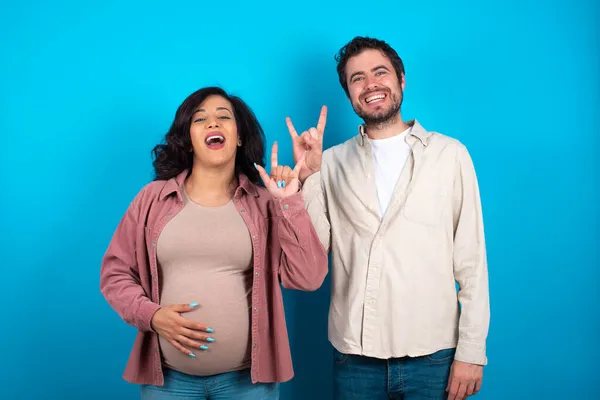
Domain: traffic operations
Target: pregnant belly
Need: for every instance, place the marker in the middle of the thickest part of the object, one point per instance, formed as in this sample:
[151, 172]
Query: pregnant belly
[224, 307]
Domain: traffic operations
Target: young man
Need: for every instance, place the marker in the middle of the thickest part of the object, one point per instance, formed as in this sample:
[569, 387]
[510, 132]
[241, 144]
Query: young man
[399, 208]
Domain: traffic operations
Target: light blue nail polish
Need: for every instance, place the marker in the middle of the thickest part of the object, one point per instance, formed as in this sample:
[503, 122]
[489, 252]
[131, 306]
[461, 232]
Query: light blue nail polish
[210, 339]
[203, 347]
[194, 304]
[278, 184]
[192, 355]
[283, 184]
[209, 330]
[255, 166]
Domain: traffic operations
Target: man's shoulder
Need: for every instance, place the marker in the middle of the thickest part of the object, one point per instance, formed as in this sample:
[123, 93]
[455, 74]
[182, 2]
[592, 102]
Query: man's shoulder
[447, 146]
[436, 140]
[444, 140]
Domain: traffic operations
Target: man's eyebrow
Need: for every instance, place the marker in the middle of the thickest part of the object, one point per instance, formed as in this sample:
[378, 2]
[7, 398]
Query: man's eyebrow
[356, 73]
[372, 70]
[380, 67]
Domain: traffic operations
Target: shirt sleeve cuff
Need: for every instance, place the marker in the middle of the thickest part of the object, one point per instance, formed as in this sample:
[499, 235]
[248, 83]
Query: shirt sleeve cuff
[471, 353]
[145, 314]
[290, 206]
[312, 181]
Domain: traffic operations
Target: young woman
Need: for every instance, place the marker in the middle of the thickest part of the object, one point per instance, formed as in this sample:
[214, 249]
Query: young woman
[197, 262]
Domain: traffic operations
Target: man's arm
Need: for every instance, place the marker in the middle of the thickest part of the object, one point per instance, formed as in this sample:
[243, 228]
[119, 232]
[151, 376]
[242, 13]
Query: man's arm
[310, 145]
[470, 271]
[470, 263]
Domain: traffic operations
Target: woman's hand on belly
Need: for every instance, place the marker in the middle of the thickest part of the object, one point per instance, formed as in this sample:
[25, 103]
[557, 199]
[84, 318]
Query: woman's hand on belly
[180, 332]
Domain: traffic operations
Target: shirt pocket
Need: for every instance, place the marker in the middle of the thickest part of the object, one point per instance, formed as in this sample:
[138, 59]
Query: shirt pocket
[425, 204]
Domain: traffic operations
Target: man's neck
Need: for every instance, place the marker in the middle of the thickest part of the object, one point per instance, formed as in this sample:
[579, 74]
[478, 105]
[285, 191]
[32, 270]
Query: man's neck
[211, 186]
[387, 129]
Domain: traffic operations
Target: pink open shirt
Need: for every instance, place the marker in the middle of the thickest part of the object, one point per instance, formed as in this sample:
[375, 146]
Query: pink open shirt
[286, 251]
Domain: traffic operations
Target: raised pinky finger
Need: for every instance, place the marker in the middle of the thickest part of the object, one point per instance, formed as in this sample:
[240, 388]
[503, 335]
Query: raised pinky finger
[182, 349]
[263, 174]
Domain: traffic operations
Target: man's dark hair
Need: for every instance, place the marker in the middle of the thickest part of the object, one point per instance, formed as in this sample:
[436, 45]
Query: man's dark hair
[357, 46]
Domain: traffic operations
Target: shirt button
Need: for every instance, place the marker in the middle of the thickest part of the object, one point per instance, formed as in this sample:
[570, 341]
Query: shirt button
[254, 236]
[255, 309]
[257, 273]
[243, 210]
[285, 206]
[254, 346]
[153, 245]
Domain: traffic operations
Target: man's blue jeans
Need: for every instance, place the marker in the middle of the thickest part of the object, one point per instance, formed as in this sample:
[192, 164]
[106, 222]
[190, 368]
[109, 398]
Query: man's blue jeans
[364, 378]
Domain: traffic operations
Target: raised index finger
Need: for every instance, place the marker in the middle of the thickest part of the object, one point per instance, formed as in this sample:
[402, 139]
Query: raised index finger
[291, 128]
[322, 120]
[274, 156]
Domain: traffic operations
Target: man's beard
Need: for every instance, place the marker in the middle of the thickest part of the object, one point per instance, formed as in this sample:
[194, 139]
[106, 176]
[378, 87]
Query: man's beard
[383, 117]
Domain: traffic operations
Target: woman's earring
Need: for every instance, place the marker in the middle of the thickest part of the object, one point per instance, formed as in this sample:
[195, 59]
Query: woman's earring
[239, 142]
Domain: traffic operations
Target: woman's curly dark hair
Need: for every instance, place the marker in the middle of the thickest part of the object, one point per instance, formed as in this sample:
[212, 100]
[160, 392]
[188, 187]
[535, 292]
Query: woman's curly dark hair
[174, 156]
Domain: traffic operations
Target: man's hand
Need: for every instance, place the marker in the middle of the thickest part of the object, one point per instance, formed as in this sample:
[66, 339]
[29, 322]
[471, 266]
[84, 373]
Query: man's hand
[465, 380]
[310, 142]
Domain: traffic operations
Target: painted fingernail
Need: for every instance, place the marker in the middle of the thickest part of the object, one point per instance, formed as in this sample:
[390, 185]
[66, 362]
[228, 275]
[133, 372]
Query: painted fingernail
[283, 184]
[209, 330]
[192, 355]
[255, 166]
[278, 184]
[203, 347]
[194, 304]
[210, 339]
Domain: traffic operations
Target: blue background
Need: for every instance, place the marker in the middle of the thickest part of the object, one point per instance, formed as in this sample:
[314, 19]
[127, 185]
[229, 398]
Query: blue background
[86, 90]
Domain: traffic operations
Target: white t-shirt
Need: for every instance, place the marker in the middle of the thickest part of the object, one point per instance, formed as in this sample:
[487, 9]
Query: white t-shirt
[389, 158]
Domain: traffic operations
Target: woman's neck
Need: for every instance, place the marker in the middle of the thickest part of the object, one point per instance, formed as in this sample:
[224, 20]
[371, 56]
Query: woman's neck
[211, 187]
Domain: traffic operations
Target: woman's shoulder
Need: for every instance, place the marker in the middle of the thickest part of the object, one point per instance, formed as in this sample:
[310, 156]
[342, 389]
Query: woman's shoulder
[262, 192]
[258, 198]
[258, 193]
[153, 192]
[152, 189]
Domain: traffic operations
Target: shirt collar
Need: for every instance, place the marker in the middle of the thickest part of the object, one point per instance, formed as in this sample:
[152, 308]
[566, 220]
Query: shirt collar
[175, 185]
[416, 130]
